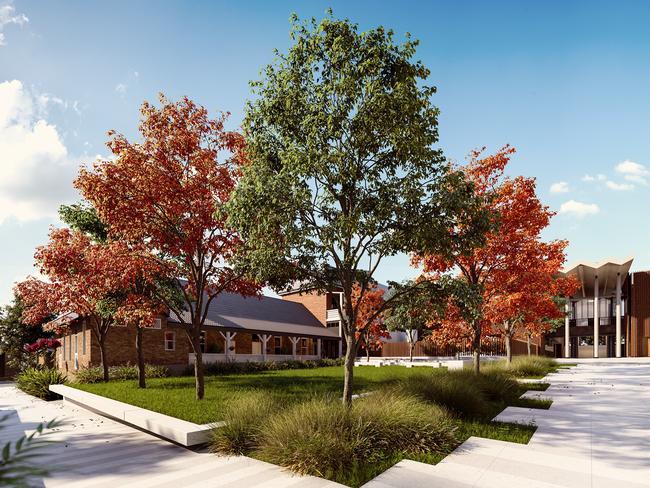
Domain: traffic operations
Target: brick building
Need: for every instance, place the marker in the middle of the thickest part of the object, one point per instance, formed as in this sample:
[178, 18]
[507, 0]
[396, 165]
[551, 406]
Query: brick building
[236, 329]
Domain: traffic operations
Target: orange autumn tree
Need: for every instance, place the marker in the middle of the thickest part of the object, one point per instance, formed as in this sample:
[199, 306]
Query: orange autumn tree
[370, 324]
[167, 193]
[518, 218]
[528, 303]
[85, 277]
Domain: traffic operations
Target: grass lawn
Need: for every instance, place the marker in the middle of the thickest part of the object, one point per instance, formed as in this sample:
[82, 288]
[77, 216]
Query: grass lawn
[175, 396]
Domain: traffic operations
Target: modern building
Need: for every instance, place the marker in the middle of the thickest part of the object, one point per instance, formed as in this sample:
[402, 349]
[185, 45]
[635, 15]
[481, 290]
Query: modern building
[609, 315]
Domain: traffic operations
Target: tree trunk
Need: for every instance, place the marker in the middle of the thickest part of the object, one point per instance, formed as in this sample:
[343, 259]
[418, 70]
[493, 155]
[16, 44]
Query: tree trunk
[411, 348]
[198, 367]
[102, 356]
[367, 352]
[528, 343]
[349, 370]
[476, 348]
[140, 348]
[508, 348]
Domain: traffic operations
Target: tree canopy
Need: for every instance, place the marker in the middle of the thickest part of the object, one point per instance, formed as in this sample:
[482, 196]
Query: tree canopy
[342, 167]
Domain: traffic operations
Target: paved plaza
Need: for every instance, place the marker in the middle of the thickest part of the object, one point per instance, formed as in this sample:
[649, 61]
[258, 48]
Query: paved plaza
[596, 434]
[94, 451]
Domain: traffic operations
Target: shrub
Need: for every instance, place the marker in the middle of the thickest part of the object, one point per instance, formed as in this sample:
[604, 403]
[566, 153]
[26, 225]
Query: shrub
[231, 367]
[156, 371]
[36, 382]
[245, 421]
[90, 374]
[95, 374]
[324, 438]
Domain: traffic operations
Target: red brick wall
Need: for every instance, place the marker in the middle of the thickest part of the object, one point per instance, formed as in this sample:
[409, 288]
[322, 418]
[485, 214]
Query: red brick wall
[315, 302]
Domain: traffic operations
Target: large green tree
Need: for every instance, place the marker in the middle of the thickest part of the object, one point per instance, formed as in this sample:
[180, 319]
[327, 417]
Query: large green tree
[342, 171]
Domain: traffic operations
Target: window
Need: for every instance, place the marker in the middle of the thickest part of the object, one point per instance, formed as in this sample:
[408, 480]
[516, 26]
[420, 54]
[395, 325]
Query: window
[157, 323]
[83, 338]
[202, 341]
[303, 347]
[170, 340]
[278, 345]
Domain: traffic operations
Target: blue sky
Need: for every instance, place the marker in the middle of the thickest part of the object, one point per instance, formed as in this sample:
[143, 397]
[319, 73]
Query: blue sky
[566, 83]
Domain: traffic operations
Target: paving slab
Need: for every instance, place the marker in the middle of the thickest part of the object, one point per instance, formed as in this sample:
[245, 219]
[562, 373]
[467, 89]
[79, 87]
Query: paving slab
[90, 450]
[595, 435]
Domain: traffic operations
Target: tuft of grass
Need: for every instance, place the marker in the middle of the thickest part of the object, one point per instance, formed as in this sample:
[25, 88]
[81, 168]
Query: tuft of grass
[245, 422]
[524, 366]
[535, 386]
[451, 390]
[541, 403]
[36, 382]
[322, 437]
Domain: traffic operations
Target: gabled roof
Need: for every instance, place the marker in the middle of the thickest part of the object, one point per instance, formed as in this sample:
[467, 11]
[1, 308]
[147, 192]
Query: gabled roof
[264, 315]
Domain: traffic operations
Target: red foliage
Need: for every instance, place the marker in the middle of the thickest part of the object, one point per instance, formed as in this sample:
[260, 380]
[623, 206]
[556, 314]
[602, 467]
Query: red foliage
[515, 268]
[42, 345]
[167, 193]
[370, 326]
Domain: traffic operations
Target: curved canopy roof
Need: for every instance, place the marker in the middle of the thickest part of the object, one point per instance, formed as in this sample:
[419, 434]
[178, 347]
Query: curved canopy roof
[605, 270]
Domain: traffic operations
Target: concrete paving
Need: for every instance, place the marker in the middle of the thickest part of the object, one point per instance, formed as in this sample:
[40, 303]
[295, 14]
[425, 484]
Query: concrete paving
[94, 451]
[595, 435]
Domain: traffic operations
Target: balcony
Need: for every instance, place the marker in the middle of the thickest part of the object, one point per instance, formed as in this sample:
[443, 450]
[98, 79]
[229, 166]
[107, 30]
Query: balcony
[332, 315]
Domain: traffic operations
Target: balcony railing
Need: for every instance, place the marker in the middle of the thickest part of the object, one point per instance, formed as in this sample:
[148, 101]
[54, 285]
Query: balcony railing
[332, 315]
[590, 321]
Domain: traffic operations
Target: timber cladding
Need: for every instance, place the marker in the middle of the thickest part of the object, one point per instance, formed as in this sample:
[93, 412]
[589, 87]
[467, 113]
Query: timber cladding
[640, 315]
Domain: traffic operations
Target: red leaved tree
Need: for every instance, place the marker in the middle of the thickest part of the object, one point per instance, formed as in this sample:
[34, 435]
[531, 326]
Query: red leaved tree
[167, 193]
[85, 278]
[512, 250]
[370, 324]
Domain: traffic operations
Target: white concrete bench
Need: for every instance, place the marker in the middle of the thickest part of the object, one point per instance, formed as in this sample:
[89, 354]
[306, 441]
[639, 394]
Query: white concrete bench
[177, 430]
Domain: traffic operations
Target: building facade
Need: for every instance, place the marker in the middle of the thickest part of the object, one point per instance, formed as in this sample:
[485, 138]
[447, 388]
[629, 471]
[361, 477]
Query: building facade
[236, 329]
[609, 315]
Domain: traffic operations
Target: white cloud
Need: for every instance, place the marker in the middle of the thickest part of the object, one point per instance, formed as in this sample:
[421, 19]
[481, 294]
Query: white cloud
[121, 88]
[632, 171]
[560, 187]
[9, 16]
[36, 170]
[598, 177]
[612, 185]
[579, 209]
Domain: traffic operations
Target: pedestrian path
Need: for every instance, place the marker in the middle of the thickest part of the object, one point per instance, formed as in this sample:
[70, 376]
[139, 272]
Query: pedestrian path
[595, 435]
[94, 451]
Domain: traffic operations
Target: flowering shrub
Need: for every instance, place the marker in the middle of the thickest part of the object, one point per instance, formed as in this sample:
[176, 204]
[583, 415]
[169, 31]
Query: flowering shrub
[42, 345]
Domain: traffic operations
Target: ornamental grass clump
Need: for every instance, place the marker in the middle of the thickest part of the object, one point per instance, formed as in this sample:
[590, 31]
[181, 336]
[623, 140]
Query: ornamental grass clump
[524, 366]
[459, 394]
[36, 382]
[322, 437]
[245, 420]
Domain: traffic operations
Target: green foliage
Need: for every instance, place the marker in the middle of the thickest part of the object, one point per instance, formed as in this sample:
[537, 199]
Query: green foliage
[14, 335]
[324, 438]
[448, 390]
[525, 366]
[245, 418]
[83, 217]
[17, 460]
[340, 138]
[228, 367]
[95, 374]
[36, 382]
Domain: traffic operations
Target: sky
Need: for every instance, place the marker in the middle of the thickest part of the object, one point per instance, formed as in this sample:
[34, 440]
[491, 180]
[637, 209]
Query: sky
[565, 83]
